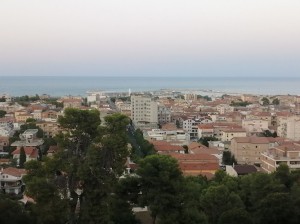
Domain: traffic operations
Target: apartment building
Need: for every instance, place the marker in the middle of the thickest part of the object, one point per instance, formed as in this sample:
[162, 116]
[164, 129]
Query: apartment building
[286, 153]
[247, 150]
[224, 108]
[230, 133]
[253, 126]
[164, 114]
[289, 127]
[144, 111]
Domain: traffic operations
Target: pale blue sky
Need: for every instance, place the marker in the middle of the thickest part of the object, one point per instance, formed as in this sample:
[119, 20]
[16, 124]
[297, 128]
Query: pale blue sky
[145, 38]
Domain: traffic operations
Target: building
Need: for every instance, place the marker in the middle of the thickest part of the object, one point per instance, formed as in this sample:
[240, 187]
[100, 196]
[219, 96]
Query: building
[168, 135]
[289, 127]
[224, 108]
[231, 133]
[32, 153]
[50, 129]
[144, 111]
[197, 164]
[29, 138]
[164, 114]
[287, 153]
[253, 126]
[247, 150]
[11, 180]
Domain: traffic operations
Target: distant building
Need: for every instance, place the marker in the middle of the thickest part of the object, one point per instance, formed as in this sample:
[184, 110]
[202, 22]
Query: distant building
[11, 180]
[289, 127]
[247, 150]
[29, 138]
[144, 111]
[287, 153]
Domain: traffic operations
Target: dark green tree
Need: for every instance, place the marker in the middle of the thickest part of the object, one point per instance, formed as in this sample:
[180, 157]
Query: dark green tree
[236, 215]
[2, 113]
[265, 101]
[218, 199]
[276, 208]
[161, 181]
[205, 140]
[228, 158]
[11, 212]
[103, 165]
[22, 158]
[276, 101]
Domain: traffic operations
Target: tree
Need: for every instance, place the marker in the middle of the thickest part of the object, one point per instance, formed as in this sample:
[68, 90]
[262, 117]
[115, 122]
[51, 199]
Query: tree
[236, 215]
[276, 101]
[103, 165]
[22, 158]
[276, 208]
[265, 101]
[228, 158]
[11, 212]
[218, 199]
[161, 181]
[2, 113]
[205, 140]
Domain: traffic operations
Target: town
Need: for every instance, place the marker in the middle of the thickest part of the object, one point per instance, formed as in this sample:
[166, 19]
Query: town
[238, 134]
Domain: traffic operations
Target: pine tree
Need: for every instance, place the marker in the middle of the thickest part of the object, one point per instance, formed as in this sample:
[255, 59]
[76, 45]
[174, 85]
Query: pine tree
[22, 157]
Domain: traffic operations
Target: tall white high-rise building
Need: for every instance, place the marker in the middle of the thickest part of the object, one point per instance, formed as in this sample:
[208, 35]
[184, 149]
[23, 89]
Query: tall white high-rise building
[144, 111]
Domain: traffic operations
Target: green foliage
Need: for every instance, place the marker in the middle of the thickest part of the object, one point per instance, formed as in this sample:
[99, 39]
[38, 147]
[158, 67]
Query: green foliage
[11, 212]
[22, 159]
[228, 158]
[161, 179]
[2, 113]
[205, 140]
[240, 103]
[204, 97]
[2, 99]
[236, 215]
[217, 200]
[32, 125]
[265, 101]
[141, 147]
[276, 101]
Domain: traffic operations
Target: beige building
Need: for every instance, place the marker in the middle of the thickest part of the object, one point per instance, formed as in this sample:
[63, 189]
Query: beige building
[254, 126]
[50, 129]
[144, 111]
[289, 127]
[231, 133]
[288, 154]
[224, 108]
[247, 150]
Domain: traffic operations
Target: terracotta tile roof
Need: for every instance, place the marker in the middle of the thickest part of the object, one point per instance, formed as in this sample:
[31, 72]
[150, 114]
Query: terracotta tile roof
[198, 166]
[235, 130]
[195, 145]
[201, 157]
[32, 152]
[253, 140]
[205, 126]
[163, 148]
[14, 171]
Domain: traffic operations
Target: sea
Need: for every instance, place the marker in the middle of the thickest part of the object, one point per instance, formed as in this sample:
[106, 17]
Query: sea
[79, 85]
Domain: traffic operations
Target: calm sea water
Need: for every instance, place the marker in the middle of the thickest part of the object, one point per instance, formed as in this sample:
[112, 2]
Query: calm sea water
[60, 85]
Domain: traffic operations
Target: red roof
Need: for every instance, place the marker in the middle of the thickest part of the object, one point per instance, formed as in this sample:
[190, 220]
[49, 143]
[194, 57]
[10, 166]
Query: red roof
[201, 157]
[32, 152]
[14, 171]
[168, 148]
[198, 166]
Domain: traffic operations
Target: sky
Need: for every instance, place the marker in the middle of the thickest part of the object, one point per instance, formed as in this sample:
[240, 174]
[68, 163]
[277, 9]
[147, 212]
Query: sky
[150, 38]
